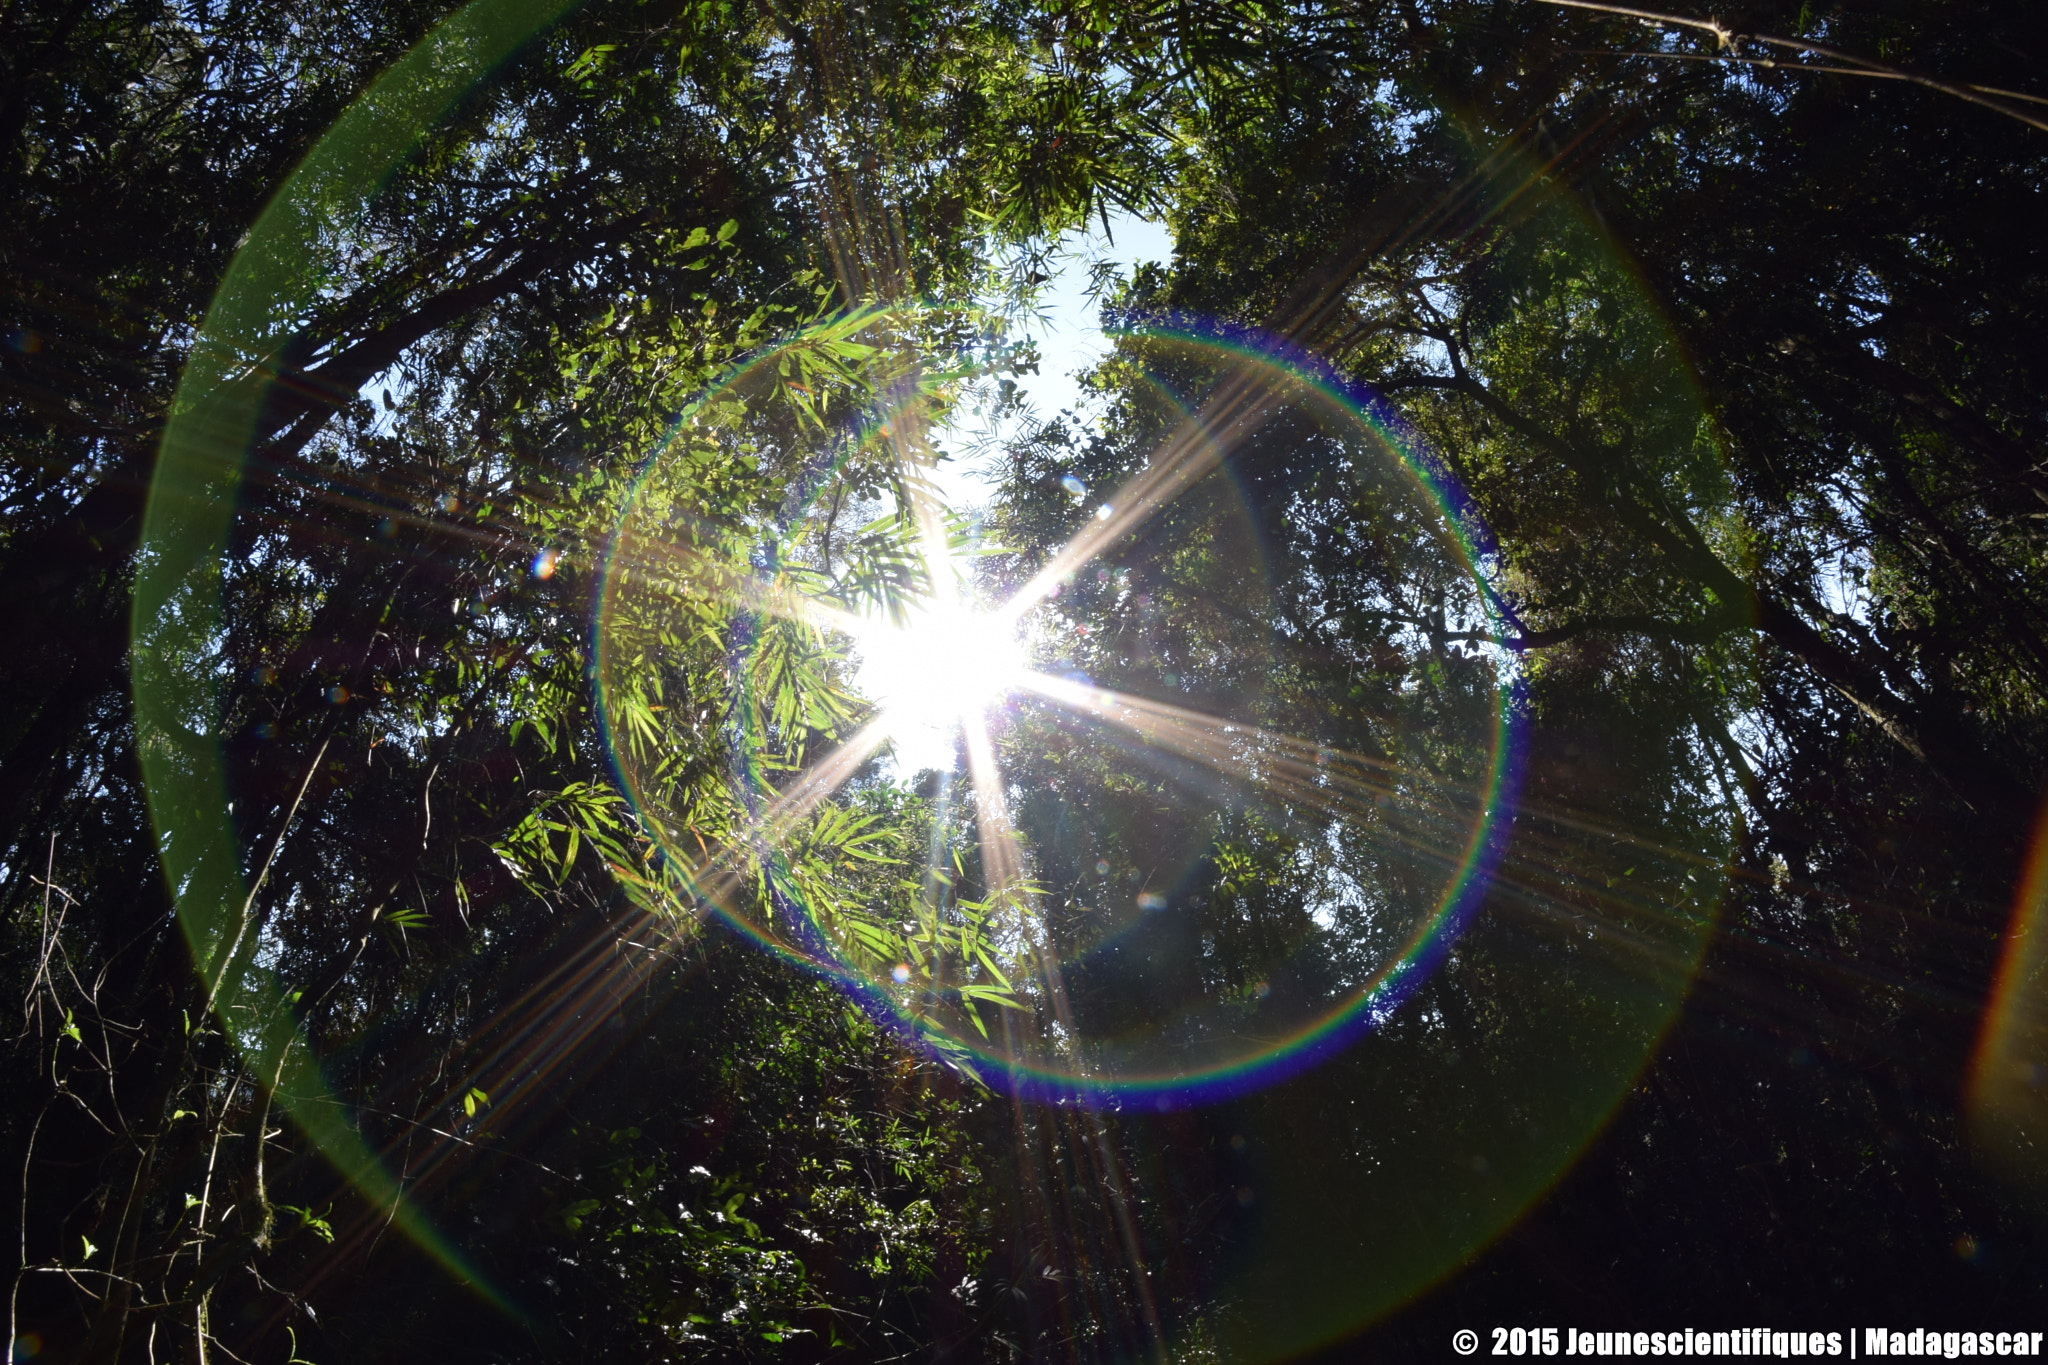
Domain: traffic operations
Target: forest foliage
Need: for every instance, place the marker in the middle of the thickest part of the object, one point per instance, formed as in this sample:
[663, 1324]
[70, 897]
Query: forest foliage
[442, 452]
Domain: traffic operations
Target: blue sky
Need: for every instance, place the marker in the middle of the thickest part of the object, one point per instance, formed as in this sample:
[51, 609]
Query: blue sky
[1068, 334]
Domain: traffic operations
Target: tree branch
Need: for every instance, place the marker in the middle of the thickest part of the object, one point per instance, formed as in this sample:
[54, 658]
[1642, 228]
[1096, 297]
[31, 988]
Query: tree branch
[1989, 97]
[1969, 774]
[302, 393]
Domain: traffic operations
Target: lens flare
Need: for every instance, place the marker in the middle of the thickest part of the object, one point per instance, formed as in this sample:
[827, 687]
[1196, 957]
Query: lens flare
[1093, 887]
[192, 500]
[1018, 974]
[2008, 1091]
[945, 665]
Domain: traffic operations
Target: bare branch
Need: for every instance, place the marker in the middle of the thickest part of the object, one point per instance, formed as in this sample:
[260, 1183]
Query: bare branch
[1725, 38]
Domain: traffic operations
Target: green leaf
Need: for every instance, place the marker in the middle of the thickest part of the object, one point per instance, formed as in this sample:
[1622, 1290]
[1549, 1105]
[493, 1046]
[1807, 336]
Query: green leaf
[312, 1222]
[573, 1215]
[589, 62]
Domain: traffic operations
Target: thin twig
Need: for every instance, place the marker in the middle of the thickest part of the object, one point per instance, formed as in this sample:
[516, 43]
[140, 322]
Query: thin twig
[14, 1296]
[50, 938]
[1775, 64]
[1725, 38]
[1768, 63]
[256, 886]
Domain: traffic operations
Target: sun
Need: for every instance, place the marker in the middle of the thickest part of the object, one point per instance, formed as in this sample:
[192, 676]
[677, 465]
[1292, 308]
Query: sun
[947, 664]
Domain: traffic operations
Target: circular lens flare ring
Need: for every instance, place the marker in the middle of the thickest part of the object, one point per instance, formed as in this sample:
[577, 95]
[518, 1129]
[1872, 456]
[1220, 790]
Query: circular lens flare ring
[938, 669]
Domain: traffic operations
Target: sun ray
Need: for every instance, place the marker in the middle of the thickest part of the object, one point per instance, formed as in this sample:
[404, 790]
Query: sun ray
[1192, 451]
[718, 879]
[1294, 769]
[940, 668]
[1003, 868]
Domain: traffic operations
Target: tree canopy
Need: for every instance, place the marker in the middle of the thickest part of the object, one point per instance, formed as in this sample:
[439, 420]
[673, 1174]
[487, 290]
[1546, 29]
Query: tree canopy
[1495, 748]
